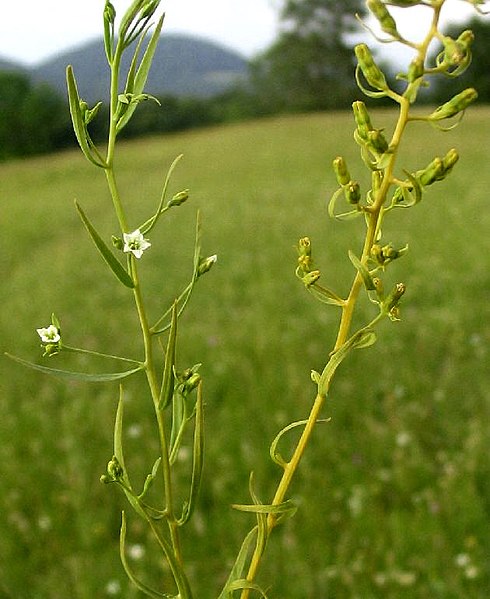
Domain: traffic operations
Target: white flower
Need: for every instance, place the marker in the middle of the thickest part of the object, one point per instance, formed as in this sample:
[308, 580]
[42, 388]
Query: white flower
[135, 243]
[49, 334]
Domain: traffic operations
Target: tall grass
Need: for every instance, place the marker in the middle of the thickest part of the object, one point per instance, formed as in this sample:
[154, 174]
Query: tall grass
[395, 492]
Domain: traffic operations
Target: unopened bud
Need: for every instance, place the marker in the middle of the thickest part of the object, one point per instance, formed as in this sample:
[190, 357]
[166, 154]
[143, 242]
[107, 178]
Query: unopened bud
[341, 171]
[109, 12]
[206, 264]
[416, 69]
[386, 21]
[352, 192]
[377, 141]
[450, 160]
[192, 382]
[363, 121]
[311, 278]
[455, 105]
[394, 296]
[432, 173]
[179, 198]
[372, 73]
[114, 469]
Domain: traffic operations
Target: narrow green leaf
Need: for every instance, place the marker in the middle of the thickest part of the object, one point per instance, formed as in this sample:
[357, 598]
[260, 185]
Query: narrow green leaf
[77, 376]
[239, 565]
[113, 263]
[138, 583]
[243, 583]
[150, 223]
[362, 338]
[150, 478]
[184, 297]
[167, 389]
[275, 455]
[286, 508]
[143, 71]
[366, 339]
[325, 295]
[179, 421]
[197, 460]
[79, 127]
[363, 271]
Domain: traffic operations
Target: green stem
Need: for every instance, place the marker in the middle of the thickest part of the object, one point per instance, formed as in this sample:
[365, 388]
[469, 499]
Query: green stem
[375, 215]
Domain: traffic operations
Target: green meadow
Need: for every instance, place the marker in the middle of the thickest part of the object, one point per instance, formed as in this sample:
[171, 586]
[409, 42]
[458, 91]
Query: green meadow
[393, 493]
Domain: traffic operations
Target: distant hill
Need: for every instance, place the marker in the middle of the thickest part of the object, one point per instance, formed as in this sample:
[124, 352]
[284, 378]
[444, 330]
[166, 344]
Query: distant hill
[9, 65]
[183, 66]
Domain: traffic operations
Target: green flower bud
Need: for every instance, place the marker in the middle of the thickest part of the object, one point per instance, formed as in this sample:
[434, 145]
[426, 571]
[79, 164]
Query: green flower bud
[352, 192]
[377, 141]
[432, 173]
[372, 73]
[455, 105]
[109, 12]
[362, 118]
[304, 251]
[450, 160]
[311, 278]
[115, 471]
[392, 299]
[191, 383]
[386, 21]
[341, 171]
[206, 264]
[416, 69]
[179, 198]
[117, 242]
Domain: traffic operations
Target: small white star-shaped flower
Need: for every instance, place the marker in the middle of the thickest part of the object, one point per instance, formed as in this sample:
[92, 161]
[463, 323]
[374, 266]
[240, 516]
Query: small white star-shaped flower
[49, 334]
[135, 243]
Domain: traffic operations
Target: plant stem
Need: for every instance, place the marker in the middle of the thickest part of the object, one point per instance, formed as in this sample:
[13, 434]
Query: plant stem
[375, 214]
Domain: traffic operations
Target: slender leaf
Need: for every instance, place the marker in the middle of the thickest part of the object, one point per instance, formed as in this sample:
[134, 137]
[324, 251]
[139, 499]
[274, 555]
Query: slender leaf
[138, 583]
[362, 338]
[77, 376]
[363, 271]
[286, 508]
[150, 223]
[143, 71]
[113, 263]
[167, 389]
[239, 565]
[186, 294]
[197, 460]
[79, 126]
[275, 455]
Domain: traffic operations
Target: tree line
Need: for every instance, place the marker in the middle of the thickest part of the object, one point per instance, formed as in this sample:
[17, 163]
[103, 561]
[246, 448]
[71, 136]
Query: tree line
[309, 67]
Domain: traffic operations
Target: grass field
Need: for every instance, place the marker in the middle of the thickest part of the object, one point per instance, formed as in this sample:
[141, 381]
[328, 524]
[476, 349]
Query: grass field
[394, 492]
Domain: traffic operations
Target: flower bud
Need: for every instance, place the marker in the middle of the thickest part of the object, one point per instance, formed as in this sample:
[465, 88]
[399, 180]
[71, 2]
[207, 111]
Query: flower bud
[372, 73]
[206, 264]
[304, 251]
[363, 121]
[377, 141]
[386, 21]
[311, 278]
[455, 105]
[109, 12]
[179, 198]
[450, 160]
[416, 69]
[191, 383]
[352, 192]
[115, 471]
[393, 297]
[432, 173]
[341, 171]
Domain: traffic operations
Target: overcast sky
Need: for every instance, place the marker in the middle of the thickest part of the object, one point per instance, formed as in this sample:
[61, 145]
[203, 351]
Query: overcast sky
[33, 30]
